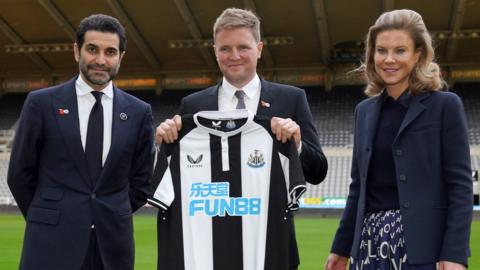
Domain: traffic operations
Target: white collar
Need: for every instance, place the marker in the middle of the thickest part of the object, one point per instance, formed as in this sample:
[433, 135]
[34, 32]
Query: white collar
[224, 115]
[82, 88]
[250, 89]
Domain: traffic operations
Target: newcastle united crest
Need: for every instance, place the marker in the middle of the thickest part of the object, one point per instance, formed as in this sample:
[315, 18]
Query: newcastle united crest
[256, 160]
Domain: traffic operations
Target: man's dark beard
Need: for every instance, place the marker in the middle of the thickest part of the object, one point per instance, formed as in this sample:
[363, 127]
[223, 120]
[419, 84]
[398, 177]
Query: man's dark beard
[112, 73]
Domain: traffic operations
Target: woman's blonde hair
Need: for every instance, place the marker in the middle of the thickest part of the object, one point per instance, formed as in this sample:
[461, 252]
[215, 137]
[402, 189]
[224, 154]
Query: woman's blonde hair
[426, 75]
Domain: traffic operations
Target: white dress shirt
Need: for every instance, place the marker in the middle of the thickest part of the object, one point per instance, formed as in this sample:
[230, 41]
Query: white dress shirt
[85, 102]
[228, 101]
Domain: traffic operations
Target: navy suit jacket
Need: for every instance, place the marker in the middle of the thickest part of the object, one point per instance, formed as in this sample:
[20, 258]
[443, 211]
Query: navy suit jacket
[432, 161]
[286, 102]
[49, 179]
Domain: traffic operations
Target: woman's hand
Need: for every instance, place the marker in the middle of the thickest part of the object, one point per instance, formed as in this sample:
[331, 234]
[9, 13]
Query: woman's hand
[336, 262]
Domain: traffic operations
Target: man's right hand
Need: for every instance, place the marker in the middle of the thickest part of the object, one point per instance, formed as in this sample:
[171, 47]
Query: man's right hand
[336, 262]
[167, 131]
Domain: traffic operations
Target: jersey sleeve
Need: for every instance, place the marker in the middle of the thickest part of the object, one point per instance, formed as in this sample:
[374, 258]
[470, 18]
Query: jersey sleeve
[161, 193]
[292, 170]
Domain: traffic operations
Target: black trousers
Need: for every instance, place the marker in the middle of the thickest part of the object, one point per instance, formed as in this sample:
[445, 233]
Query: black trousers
[93, 260]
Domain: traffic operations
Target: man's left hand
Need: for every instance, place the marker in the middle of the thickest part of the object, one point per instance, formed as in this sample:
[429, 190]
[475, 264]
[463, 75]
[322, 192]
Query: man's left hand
[286, 129]
[445, 265]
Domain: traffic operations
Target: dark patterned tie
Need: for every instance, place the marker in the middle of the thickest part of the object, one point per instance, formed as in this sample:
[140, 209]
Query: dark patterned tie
[94, 144]
[241, 99]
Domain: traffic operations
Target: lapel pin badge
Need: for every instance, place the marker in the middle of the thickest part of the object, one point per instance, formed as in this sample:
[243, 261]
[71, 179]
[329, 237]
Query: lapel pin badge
[123, 116]
[63, 111]
[265, 104]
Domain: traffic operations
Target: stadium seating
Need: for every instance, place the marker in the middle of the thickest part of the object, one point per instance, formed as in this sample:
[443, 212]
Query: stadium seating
[470, 93]
[164, 106]
[333, 116]
[5, 195]
[337, 181]
[333, 113]
[10, 107]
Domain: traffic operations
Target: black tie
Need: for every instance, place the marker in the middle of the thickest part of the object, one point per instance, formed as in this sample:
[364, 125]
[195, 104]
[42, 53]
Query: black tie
[241, 99]
[94, 144]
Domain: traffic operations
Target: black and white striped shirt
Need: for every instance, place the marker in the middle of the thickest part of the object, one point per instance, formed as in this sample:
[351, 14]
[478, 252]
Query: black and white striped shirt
[224, 189]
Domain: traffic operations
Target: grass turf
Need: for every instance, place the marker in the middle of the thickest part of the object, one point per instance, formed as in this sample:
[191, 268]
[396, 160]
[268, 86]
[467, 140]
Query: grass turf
[314, 237]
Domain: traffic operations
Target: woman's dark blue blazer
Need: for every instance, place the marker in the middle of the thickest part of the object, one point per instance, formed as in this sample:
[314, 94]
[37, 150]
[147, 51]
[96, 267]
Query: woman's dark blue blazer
[432, 162]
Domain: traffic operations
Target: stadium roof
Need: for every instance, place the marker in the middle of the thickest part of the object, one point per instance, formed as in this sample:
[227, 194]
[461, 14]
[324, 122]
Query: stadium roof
[171, 37]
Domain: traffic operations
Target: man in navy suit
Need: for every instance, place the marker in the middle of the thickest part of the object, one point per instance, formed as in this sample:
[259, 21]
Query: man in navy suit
[238, 47]
[82, 159]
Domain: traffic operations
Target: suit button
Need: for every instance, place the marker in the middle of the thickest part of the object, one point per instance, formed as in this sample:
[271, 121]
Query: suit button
[402, 177]
[406, 205]
[398, 152]
[367, 149]
[93, 196]
[93, 226]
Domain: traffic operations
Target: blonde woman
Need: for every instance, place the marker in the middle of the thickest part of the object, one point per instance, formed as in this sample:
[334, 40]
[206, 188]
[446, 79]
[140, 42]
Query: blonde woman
[410, 200]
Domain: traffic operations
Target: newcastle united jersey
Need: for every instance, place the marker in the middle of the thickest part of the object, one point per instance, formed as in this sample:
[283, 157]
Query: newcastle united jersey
[224, 190]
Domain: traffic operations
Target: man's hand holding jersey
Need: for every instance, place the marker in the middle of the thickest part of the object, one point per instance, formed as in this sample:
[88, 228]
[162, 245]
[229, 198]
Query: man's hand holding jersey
[286, 129]
[167, 131]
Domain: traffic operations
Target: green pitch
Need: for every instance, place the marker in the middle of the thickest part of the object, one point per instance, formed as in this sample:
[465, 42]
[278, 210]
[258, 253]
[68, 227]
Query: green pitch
[314, 238]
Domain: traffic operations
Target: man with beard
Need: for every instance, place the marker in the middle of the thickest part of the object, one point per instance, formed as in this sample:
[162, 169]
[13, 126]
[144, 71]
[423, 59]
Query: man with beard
[82, 159]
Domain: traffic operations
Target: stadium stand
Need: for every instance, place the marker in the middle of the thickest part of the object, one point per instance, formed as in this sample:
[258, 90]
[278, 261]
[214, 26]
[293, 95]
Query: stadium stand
[10, 107]
[332, 112]
[6, 197]
[470, 93]
[338, 178]
[165, 106]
